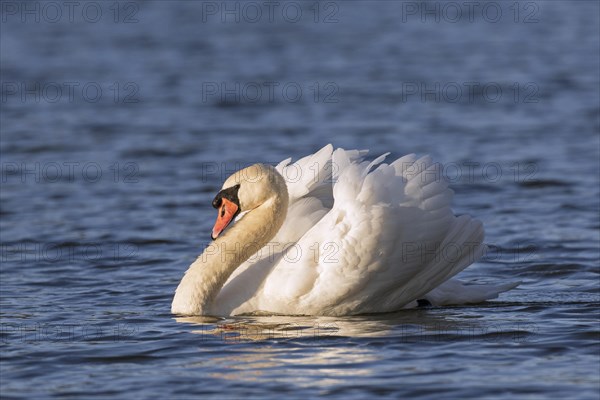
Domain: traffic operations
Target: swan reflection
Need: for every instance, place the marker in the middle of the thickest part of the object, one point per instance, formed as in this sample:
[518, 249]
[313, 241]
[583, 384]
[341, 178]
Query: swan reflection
[417, 325]
[281, 327]
[331, 351]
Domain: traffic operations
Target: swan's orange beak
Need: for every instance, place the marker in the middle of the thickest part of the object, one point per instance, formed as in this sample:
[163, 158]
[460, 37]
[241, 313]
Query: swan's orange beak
[227, 212]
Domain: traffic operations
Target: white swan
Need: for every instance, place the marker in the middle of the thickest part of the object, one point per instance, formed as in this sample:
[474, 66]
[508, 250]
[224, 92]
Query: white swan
[333, 235]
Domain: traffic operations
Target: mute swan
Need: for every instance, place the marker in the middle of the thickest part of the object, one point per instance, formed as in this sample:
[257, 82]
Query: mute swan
[333, 235]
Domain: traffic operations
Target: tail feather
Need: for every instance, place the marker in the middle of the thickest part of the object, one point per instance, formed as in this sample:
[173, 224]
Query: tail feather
[455, 292]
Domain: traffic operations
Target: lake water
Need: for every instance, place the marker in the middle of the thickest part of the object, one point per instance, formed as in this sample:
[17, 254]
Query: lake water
[120, 120]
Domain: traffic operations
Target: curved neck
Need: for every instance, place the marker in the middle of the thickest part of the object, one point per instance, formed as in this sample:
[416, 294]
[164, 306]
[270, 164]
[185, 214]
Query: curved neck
[206, 276]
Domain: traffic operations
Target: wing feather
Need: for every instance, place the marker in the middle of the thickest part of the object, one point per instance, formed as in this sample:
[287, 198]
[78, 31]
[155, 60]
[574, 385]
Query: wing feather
[367, 236]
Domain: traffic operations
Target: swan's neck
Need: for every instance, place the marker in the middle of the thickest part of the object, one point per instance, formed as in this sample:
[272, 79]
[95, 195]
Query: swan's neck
[206, 276]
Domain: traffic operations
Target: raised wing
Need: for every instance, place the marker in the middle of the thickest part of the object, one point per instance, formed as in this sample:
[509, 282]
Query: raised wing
[389, 238]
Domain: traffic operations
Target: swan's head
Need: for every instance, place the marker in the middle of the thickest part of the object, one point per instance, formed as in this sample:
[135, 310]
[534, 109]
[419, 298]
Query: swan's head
[244, 191]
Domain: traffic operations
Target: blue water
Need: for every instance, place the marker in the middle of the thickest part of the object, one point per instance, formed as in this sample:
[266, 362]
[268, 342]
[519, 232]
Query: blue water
[115, 136]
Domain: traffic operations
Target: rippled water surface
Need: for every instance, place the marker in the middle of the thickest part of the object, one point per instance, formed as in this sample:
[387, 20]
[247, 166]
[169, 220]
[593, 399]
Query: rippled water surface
[115, 137]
